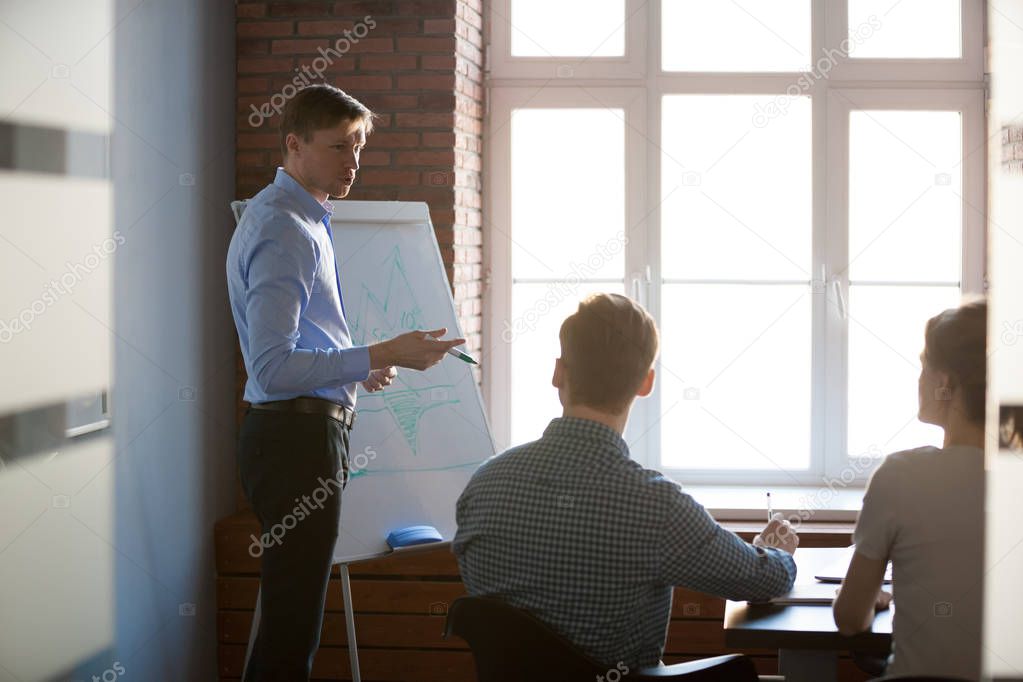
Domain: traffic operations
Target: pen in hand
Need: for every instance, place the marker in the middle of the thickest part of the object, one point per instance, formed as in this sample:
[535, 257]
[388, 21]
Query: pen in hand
[758, 541]
[464, 357]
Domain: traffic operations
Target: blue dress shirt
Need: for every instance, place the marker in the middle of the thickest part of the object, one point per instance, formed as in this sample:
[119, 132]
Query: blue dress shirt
[286, 300]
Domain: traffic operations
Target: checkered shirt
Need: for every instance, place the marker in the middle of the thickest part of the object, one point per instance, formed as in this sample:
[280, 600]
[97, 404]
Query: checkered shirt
[572, 530]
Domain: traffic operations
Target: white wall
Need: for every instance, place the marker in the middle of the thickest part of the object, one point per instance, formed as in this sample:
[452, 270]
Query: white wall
[106, 545]
[1003, 629]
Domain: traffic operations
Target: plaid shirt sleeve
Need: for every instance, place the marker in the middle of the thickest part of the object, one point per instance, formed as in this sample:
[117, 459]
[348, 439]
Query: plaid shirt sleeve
[700, 555]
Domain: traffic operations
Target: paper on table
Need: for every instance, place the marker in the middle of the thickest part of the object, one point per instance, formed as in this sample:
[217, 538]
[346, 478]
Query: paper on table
[812, 593]
[835, 571]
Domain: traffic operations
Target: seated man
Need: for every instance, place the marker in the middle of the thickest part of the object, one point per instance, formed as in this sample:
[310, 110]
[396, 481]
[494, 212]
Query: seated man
[572, 530]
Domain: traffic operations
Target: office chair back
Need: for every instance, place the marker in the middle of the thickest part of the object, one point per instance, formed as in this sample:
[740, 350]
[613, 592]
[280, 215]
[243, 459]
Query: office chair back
[511, 645]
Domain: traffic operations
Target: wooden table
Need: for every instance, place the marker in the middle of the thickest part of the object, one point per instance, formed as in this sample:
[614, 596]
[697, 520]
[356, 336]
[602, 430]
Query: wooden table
[806, 637]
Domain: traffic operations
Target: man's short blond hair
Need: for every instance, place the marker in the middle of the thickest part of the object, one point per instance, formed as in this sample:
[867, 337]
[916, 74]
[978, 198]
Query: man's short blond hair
[607, 348]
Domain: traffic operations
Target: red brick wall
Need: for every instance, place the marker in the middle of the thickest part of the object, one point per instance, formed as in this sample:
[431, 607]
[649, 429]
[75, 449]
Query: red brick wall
[418, 64]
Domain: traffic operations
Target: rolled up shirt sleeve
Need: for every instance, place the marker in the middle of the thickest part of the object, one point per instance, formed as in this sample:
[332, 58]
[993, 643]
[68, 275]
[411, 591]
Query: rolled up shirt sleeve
[281, 273]
[700, 555]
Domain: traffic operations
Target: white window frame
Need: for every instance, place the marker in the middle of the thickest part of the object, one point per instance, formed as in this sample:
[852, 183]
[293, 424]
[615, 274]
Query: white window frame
[567, 69]
[516, 82]
[972, 276]
[968, 67]
[498, 248]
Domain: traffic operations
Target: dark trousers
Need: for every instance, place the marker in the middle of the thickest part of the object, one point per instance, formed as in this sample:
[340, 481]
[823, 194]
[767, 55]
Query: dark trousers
[293, 469]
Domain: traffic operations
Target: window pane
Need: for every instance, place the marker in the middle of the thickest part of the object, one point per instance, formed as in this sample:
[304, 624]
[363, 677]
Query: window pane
[540, 28]
[741, 35]
[905, 188]
[568, 193]
[886, 336]
[736, 197]
[735, 377]
[537, 313]
[905, 29]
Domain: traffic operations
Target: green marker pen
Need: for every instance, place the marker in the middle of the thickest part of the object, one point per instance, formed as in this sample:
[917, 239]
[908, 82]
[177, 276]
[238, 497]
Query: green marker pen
[462, 356]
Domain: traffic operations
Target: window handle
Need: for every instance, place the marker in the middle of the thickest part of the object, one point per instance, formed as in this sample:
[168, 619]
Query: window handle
[840, 298]
[639, 292]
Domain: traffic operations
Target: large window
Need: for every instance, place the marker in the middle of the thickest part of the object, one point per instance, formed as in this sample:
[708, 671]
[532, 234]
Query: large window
[791, 188]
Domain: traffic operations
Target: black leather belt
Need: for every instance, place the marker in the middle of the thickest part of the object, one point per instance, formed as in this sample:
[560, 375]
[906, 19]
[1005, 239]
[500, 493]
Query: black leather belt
[345, 415]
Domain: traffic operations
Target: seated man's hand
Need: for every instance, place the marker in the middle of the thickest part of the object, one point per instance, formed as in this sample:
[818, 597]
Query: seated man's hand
[779, 534]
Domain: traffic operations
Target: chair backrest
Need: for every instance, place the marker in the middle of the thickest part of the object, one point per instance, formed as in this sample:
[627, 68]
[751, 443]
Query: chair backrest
[511, 645]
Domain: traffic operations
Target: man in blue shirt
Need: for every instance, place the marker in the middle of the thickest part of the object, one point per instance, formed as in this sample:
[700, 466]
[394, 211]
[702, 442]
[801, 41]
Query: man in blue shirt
[572, 530]
[302, 370]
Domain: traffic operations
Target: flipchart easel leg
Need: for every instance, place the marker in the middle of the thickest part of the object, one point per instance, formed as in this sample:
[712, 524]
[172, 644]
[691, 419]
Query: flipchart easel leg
[353, 649]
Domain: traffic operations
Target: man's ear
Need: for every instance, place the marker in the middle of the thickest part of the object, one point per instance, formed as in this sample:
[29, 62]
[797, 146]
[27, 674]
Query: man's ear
[291, 141]
[559, 374]
[648, 384]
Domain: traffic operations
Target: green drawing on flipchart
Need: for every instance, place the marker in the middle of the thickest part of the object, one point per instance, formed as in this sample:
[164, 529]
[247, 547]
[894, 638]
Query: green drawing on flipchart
[390, 311]
[409, 405]
[384, 313]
